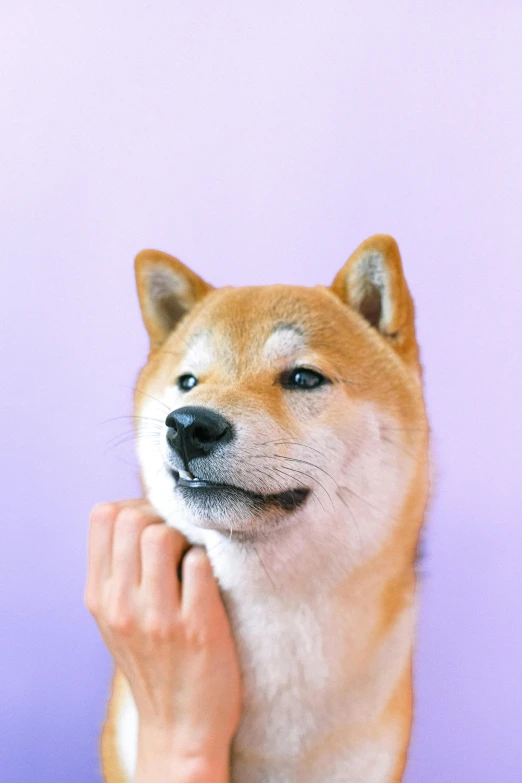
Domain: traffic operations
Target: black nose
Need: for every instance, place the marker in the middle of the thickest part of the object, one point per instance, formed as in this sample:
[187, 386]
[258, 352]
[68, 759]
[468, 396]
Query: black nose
[195, 432]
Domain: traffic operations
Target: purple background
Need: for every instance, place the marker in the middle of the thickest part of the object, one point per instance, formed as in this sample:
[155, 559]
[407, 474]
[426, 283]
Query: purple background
[260, 142]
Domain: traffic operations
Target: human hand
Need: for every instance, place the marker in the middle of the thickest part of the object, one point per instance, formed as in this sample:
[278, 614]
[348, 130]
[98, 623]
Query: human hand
[172, 641]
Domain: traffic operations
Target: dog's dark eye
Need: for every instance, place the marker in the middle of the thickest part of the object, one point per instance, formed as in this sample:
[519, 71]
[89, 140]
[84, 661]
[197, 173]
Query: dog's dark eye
[301, 378]
[187, 382]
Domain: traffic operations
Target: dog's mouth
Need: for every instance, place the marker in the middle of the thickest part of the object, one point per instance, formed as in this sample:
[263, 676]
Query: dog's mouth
[195, 490]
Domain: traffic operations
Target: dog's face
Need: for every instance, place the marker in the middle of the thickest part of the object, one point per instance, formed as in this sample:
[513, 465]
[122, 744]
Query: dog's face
[266, 408]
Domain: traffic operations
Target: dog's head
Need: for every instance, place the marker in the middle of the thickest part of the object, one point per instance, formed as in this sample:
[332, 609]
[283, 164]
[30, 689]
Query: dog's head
[268, 408]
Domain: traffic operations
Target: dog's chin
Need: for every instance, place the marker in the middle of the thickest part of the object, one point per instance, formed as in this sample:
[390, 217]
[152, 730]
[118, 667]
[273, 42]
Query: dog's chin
[234, 510]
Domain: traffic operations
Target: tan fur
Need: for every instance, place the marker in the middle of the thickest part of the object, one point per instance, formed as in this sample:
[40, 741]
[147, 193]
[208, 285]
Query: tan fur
[376, 365]
[111, 766]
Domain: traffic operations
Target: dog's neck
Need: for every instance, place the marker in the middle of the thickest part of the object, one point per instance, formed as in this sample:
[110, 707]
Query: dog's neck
[322, 612]
[323, 652]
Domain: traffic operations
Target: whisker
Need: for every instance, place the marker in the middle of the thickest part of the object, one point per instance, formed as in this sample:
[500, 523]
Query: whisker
[360, 497]
[264, 567]
[130, 436]
[125, 462]
[145, 394]
[294, 443]
[127, 438]
[400, 447]
[267, 485]
[117, 418]
[345, 504]
[145, 428]
[294, 459]
[314, 493]
[161, 467]
[293, 470]
[305, 462]
[220, 546]
[385, 428]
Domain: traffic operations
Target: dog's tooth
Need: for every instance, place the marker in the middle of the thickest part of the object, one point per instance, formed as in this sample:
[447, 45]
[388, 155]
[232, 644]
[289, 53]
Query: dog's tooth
[184, 474]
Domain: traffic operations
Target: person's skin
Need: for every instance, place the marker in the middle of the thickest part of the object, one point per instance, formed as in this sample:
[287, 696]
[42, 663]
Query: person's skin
[171, 639]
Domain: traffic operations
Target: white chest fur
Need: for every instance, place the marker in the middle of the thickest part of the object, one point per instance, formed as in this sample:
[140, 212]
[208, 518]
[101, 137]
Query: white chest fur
[296, 666]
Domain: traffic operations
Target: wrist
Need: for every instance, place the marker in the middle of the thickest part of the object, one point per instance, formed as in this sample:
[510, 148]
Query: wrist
[182, 769]
[201, 770]
[163, 758]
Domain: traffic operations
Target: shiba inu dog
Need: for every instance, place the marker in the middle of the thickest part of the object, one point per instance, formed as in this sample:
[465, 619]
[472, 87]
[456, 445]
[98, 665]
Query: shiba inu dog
[291, 440]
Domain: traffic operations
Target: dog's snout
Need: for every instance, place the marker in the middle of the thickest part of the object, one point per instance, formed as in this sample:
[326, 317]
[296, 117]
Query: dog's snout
[196, 431]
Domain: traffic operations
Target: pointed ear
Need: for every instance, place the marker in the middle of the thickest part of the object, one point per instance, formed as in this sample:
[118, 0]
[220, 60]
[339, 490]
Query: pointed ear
[167, 290]
[372, 282]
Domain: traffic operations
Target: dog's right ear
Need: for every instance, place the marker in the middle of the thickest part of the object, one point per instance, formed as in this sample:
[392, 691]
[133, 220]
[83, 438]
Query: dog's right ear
[167, 290]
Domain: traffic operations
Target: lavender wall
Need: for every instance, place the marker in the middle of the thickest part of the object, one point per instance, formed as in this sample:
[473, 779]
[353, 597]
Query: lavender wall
[260, 142]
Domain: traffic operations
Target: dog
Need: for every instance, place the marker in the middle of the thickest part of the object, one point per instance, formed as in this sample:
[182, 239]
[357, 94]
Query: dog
[293, 443]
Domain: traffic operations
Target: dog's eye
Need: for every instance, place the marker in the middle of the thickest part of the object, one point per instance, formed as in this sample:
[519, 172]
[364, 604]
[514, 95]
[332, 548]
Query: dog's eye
[187, 382]
[302, 378]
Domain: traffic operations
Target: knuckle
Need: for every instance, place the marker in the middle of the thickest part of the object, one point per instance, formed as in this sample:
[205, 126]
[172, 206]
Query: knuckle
[120, 618]
[104, 513]
[91, 602]
[121, 624]
[198, 565]
[155, 536]
[176, 536]
[198, 559]
[198, 636]
[160, 628]
[130, 517]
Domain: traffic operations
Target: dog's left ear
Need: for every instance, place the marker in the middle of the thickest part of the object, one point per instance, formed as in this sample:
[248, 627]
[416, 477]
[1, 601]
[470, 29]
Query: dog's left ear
[167, 290]
[372, 282]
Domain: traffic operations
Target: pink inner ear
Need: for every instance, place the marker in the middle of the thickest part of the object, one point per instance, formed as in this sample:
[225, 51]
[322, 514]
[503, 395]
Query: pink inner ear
[168, 297]
[163, 282]
[167, 290]
[370, 307]
[368, 283]
[372, 283]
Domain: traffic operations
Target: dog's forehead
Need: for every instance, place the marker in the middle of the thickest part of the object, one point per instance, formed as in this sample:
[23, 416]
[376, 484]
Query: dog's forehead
[269, 321]
[241, 331]
[285, 340]
[247, 351]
